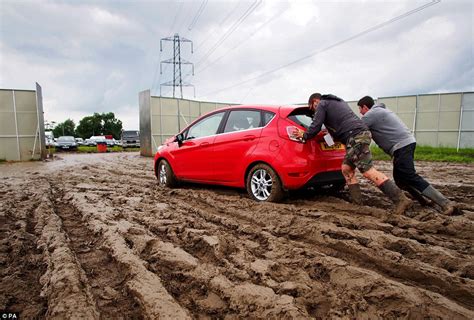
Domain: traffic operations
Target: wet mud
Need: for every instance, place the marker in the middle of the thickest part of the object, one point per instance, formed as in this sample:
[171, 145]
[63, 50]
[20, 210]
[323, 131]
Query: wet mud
[93, 236]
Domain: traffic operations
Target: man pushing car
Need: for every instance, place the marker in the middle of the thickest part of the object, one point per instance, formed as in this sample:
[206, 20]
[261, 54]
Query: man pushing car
[344, 126]
[393, 137]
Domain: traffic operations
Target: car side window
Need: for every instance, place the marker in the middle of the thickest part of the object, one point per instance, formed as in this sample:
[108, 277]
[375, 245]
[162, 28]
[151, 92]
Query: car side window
[242, 120]
[206, 127]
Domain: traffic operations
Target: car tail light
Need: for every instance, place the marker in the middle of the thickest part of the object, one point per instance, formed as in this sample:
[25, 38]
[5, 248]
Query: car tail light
[286, 129]
[290, 130]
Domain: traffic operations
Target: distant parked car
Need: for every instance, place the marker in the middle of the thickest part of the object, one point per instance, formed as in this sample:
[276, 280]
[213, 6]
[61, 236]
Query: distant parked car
[130, 138]
[80, 141]
[66, 143]
[251, 147]
[92, 141]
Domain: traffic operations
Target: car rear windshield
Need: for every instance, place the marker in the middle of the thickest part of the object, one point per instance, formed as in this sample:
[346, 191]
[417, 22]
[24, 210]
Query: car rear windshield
[302, 116]
[130, 134]
[65, 139]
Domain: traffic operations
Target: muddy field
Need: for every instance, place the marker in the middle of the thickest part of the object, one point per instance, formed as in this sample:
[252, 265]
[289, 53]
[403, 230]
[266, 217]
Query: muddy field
[93, 236]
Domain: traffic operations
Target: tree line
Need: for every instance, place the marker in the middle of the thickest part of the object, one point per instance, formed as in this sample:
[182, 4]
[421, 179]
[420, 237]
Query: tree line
[99, 124]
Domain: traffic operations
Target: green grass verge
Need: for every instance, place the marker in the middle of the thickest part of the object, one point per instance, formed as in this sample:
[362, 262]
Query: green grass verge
[424, 153]
[90, 149]
[93, 149]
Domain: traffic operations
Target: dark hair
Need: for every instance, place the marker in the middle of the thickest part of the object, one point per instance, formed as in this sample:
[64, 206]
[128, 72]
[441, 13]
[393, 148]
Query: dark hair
[366, 101]
[314, 96]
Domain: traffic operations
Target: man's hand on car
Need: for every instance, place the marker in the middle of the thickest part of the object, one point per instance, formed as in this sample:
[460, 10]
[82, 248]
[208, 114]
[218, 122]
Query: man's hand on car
[298, 133]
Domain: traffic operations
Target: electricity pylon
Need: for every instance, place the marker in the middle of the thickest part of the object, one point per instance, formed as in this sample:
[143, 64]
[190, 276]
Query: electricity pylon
[177, 62]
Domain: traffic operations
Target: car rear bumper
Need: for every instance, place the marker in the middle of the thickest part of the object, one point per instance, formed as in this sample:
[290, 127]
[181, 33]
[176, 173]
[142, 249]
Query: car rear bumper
[326, 178]
[131, 145]
[317, 172]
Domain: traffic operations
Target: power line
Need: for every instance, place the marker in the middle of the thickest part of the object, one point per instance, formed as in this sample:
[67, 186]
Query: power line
[253, 33]
[230, 13]
[366, 31]
[176, 17]
[198, 14]
[207, 38]
[230, 31]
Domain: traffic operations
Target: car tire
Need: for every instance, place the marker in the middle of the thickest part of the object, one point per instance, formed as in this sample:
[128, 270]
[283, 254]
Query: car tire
[165, 175]
[263, 184]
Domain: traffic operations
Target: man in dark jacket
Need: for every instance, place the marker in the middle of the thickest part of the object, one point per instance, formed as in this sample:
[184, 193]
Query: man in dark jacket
[344, 126]
[393, 137]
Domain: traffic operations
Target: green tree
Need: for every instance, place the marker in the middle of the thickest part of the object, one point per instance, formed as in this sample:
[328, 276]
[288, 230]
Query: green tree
[66, 128]
[111, 125]
[90, 126]
[98, 125]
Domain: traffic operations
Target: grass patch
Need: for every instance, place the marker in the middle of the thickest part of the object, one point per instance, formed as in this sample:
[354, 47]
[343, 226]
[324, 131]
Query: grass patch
[93, 149]
[425, 153]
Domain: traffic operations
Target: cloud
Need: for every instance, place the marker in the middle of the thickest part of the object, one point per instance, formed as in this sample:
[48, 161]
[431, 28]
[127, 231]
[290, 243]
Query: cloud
[96, 56]
[104, 17]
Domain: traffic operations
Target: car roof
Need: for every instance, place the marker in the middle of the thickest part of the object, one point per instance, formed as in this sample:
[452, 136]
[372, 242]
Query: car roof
[283, 110]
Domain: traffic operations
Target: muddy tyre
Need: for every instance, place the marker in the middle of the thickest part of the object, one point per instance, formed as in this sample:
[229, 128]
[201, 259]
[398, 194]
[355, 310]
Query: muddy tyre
[165, 175]
[263, 184]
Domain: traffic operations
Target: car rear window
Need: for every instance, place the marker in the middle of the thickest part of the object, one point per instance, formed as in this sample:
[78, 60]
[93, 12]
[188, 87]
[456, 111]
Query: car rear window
[65, 139]
[302, 116]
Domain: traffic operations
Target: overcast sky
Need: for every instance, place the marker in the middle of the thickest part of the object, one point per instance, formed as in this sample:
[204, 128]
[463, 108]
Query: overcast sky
[96, 56]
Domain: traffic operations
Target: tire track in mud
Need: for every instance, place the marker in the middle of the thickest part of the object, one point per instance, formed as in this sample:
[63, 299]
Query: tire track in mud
[189, 209]
[21, 265]
[400, 248]
[221, 254]
[147, 289]
[208, 302]
[208, 286]
[105, 276]
[319, 274]
[378, 259]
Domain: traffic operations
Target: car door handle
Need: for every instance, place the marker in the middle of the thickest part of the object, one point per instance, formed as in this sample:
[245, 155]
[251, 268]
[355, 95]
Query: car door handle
[204, 144]
[249, 137]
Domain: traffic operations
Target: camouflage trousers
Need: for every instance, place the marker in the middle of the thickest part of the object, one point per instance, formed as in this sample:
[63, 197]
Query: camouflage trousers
[358, 152]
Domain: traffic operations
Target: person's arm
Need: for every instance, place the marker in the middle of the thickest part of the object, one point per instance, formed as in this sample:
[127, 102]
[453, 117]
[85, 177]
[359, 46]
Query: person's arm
[318, 120]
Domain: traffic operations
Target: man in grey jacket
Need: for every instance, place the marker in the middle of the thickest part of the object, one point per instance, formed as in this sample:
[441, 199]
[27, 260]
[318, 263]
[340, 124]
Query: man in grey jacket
[393, 137]
[344, 126]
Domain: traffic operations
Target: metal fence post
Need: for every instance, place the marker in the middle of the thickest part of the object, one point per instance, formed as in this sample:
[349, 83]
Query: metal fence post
[460, 121]
[16, 126]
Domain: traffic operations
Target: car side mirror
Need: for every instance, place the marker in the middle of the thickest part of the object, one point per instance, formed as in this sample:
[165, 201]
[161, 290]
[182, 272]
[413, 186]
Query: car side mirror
[179, 139]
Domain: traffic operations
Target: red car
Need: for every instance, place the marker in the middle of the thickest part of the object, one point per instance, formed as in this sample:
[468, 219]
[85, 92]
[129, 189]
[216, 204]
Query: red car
[251, 147]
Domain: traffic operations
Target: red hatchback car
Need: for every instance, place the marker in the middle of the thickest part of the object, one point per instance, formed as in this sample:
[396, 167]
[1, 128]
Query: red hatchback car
[251, 147]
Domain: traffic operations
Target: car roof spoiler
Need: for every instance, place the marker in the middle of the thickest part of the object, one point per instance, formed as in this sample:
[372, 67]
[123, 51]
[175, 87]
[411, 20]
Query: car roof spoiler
[285, 111]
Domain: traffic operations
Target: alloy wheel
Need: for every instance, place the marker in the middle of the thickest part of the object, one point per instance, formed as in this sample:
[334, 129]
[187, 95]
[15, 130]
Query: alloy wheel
[261, 184]
[163, 174]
